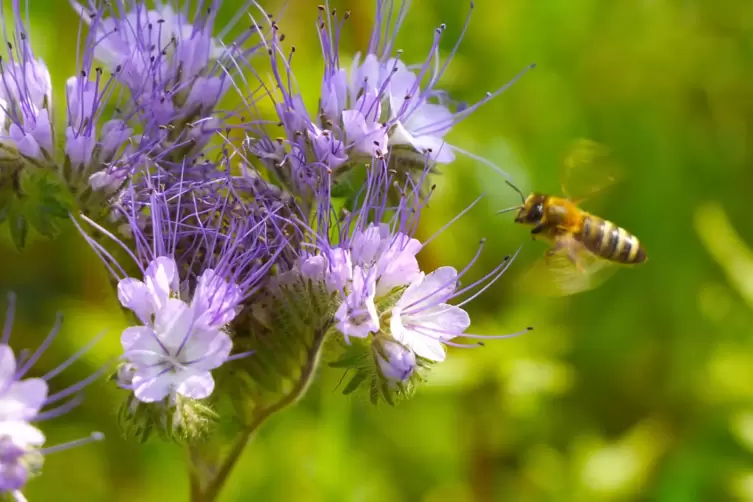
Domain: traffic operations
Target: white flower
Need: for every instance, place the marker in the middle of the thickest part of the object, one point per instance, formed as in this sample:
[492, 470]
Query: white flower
[20, 400]
[422, 321]
[179, 344]
[357, 315]
[392, 254]
[147, 297]
[175, 355]
[420, 124]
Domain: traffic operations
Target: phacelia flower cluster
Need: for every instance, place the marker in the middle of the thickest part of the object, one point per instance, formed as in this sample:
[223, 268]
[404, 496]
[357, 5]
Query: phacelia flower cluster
[246, 244]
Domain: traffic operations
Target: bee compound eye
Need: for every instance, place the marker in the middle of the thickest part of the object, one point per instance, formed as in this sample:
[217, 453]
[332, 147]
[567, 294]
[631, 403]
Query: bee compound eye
[537, 211]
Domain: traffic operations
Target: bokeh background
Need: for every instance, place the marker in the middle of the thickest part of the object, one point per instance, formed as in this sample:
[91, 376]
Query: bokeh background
[639, 390]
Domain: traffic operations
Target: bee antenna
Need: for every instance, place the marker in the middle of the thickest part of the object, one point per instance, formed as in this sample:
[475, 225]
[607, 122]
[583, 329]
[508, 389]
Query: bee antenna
[522, 197]
[514, 208]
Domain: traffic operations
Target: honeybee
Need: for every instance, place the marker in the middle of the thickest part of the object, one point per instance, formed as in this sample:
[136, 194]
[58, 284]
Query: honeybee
[585, 249]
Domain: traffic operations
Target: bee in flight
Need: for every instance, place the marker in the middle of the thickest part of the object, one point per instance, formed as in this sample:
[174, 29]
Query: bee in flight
[584, 247]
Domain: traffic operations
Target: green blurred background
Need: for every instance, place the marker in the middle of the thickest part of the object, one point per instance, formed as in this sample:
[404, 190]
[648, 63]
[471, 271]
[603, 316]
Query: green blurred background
[639, 390]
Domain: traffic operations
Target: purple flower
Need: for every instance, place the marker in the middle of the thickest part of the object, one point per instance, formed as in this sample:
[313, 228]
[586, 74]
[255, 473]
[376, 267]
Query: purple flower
[130, 37]
[361, 125]
[422, 320]
[25, 94]
[168, 59]
[335, 269]
[146, 298]
[396, 361]
[392, 255]
[25, 402]
[357, 315]
[179, 343]
[383, 102]
[215, 302]
[202, 254]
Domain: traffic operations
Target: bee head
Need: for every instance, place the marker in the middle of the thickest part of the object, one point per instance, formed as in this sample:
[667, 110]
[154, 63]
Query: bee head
[532, 210]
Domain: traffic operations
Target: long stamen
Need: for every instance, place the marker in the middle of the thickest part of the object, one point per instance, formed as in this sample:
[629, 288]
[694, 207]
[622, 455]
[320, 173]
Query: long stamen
[94, 436]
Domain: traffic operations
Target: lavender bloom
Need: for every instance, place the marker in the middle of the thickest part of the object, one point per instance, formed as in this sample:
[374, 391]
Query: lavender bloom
[422, 321]
[386, 305]
[27, 135]
[396, 362]
[202, 255]
[357, 315]
[173, 69]
[382, 101]
[164, 75]
[369, 257]
[24, 402]
[25, 95]
[179, 343]
[153, 44]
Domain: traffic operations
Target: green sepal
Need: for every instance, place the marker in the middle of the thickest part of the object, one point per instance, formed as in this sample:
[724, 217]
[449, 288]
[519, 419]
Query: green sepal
[187, 421]
[183, 420]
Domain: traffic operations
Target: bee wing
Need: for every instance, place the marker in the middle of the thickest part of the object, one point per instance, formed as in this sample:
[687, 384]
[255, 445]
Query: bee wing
[557, 275]
[588, 169]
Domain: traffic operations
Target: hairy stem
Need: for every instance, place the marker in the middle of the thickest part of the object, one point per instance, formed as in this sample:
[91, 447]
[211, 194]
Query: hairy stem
[298, 390]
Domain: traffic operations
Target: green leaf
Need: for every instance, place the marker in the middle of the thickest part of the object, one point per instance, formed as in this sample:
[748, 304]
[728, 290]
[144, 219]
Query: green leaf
[356, 381]
[19, 229]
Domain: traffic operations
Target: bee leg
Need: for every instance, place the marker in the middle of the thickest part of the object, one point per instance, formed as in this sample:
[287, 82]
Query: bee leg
[573, 258]
[536, 230]
[556, 248]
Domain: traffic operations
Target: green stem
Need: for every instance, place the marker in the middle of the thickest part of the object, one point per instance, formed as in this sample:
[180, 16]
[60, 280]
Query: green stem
[193, 476]
[307, 373]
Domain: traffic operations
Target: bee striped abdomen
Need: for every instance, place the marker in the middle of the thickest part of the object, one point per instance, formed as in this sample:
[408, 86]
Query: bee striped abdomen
[607, 240]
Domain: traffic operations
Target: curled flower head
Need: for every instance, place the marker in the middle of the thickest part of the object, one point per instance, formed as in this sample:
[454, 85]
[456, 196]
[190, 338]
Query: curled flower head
[202, 254]
[153, 42]
[379, 107]
[173, 68]
[25, 94]
[26, 401]
[382, 101]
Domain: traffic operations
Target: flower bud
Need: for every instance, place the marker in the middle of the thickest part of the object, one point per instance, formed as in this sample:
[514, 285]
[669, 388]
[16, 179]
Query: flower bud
[396, 362]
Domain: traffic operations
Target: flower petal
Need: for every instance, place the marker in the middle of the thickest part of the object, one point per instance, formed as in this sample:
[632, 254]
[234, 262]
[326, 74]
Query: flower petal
[21, 433]
[23, 400]
[173, 324]
[206, 350]
[447, 321]
[427, 347]
[134, 295]
[7, 366]
[431, 289]
[161, 278]
[154, 388]
[141, 346]
[196, 386]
